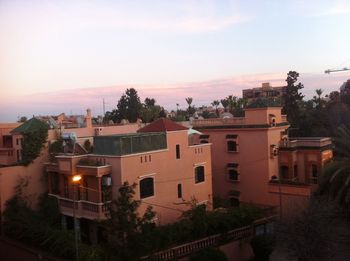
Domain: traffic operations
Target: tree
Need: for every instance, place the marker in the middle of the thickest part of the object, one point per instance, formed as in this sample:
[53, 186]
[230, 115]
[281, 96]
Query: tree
[216, 103]
[335, 181]
[134, 105]
[292, 98]
[22, 119]
[150, 111]
[320, 232]
[317, 98]
[224, 103]
[124, 223]
[190, 109]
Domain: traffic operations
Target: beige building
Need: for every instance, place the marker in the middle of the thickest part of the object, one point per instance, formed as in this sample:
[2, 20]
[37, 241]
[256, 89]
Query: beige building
[265, 91]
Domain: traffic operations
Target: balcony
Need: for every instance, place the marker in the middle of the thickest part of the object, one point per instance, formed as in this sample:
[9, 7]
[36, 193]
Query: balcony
[219, 122]
[84, 209]
[96, 171]
[316, 142]
[290, 188]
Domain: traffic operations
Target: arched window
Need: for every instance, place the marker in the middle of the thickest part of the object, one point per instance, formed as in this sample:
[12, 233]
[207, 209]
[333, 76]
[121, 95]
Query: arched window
[146, 188]
[199, 174]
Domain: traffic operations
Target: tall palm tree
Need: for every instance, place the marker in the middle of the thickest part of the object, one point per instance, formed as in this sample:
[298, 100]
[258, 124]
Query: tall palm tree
[216, 103]
[189, 101]
[335, 182]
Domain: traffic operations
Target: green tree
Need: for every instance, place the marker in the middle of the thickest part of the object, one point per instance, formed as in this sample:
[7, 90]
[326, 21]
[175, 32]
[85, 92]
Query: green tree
[124, 224]
[150, 111]
[292, 98]
[224, 103]
[335, 181]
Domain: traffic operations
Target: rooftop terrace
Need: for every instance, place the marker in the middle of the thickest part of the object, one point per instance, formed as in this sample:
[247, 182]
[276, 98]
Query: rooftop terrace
[125, 144]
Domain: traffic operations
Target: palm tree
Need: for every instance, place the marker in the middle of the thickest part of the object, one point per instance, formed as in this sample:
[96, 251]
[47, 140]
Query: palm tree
[335, 182]
[318, 98]
[216, 103]
[189, 101]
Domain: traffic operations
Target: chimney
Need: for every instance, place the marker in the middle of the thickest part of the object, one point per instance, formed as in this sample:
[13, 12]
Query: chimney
[88, 119]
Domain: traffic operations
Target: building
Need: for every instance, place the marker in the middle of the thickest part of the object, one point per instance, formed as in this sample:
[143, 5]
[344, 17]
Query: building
[265, 91]
[11, 139]
[254, 160]
[169, 170]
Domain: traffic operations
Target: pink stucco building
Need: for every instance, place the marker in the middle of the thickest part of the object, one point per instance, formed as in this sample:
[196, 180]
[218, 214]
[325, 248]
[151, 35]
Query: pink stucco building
[254, 160]
[171, 173]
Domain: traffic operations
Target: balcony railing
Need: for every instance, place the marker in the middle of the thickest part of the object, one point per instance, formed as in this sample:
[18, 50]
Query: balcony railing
[219, 122]
[83, 209]
[306, 142]
[184, 250]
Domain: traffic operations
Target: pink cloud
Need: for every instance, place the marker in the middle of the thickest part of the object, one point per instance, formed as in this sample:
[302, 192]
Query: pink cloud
[203, 93]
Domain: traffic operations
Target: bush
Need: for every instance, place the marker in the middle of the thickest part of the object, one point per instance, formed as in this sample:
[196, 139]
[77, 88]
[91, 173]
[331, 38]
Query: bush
[263, 246]
[209, 254]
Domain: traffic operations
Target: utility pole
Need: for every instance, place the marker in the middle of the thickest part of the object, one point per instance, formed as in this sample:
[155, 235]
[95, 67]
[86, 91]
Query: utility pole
[104, 106]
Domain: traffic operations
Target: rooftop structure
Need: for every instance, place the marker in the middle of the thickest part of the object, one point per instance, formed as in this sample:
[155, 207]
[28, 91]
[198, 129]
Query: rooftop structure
[265, 91]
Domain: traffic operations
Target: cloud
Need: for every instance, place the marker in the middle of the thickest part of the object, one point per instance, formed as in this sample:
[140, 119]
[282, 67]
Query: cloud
[317, 8]
[169, 16]
[168, 95]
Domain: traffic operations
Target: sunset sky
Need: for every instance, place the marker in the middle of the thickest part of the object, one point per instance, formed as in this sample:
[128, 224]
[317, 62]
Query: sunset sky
[66, 55]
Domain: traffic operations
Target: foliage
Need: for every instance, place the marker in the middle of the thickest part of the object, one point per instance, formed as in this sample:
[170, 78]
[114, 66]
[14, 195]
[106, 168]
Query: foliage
[191, 109]
[209, 254]
[150, 111]
[263, 246]
[41, 228]
[33, 141]
[124, 224]
[320, 232]
[216, 103]
[336, 176]
[22, 119]
[87, 145]
[292, 97]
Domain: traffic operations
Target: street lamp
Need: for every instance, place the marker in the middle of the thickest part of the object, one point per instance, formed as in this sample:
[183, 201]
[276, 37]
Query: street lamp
[75, 179]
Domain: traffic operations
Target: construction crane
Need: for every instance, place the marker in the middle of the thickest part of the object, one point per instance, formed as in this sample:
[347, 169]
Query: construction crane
[337, 70]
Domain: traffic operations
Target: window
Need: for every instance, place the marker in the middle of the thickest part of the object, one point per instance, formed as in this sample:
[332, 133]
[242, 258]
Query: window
[199, 174]
[314, 173]
[86, 193]
[17, 141]
[141, 159]
[177, 151]
[179, 190]
[149, 158]
[55, 183]
[295, 171]
[231, 145]
[146, 188]
[233, 175]
[234, 202]
[284, 172]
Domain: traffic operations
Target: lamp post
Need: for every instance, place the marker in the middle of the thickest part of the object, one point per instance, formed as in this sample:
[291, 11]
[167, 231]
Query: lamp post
[75, 180]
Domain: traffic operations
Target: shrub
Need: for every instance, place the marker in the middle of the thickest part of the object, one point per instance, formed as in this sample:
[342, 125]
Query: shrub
[262, 246]
[209, 254]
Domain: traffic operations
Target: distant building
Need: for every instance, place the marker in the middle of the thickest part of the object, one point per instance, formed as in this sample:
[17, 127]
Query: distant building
[265, 91]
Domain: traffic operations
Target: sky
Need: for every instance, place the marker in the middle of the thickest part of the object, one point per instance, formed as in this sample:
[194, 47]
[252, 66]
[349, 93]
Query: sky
[67, 55]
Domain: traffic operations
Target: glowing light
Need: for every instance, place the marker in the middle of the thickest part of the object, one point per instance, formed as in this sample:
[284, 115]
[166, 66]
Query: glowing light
[76, 178]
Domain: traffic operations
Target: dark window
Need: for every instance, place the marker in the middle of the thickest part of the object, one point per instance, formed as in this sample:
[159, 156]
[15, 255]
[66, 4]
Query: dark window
[18, 159]
[86, 194]
[177, 151]
[314, 170]
[179, 190]
[204, 141]
[295, 171]
[233, 174]
[231, 145]
[146, 188]
[65, 185]
[149, 158]
[199, 174]
[17, 142]
[234, 202]
[284, 172]
[146, 158]
[141, 159]
[55, 183]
